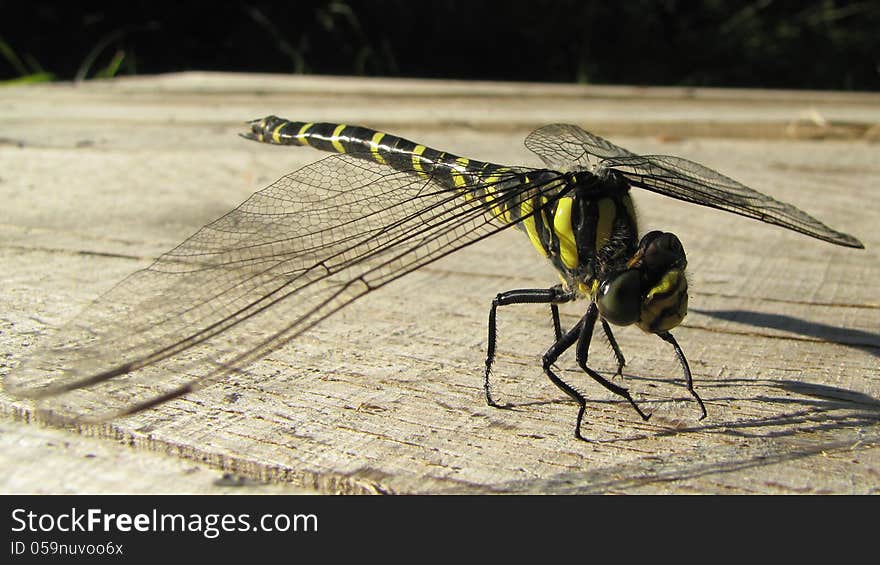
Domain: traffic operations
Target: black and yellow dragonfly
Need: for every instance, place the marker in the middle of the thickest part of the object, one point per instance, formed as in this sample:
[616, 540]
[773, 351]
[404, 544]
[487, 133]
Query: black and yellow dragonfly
[335, 230]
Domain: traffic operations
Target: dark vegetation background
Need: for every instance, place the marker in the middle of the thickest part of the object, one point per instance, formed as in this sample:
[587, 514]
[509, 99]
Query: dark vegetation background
[816, 44]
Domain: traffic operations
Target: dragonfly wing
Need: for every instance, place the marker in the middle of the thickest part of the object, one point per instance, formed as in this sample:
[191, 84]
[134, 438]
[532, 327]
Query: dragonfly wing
[695, 183]
[567, 147]
[252, 280]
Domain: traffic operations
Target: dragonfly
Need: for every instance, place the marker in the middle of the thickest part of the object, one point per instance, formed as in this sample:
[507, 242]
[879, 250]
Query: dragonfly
[380, 207]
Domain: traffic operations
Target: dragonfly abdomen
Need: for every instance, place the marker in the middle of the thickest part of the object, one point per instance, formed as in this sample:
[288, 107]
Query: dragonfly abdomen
[385, 148]
[495, 186]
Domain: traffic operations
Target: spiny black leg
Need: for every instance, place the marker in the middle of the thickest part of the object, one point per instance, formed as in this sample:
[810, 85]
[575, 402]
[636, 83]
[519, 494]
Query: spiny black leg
[583, 349]
[562, 344]
[667, 337]
[552, 296]
[621, 362]
[557, 326]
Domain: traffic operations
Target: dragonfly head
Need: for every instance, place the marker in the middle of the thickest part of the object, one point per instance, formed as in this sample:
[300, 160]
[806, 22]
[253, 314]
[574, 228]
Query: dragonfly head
[651, 291]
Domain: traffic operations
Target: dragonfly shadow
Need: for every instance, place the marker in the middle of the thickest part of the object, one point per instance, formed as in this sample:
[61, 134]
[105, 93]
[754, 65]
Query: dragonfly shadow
[857, 339]
[829, 396]
[803, 408]
[808, 420]
[702, 470]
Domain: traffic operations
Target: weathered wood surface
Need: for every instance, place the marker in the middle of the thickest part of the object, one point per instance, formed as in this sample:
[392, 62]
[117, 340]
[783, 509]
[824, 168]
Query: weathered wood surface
[783, 335]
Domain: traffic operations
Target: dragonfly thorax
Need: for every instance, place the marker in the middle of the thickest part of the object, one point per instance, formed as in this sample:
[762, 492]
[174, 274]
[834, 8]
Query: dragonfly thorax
[591, 232]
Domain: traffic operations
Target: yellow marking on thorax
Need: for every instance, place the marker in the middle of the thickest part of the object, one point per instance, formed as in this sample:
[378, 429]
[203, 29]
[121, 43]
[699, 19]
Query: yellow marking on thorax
[417, 160]
[544, 219]
[564, 231]
[374, 148]
[607, 213]
[337, 145]
[301, 134]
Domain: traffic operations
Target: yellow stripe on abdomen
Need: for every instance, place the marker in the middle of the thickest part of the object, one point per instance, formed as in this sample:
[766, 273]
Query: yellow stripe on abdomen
[417, 160]
[458, 173]
[498, 209]
[301, 134]
[276, 133]
[337, 145]
[374, 148]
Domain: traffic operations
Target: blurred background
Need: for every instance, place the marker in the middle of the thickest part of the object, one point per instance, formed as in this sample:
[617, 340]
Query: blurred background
[814, 44]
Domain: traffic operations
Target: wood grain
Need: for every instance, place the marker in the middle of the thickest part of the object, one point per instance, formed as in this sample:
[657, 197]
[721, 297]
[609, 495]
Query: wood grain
[783, 335]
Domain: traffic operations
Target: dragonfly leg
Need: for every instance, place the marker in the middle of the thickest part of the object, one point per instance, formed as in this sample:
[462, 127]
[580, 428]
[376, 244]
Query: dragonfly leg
[621, 361]
[557, 326]
[667, 337]
[583, 349]
[553, 296]
[558, 348]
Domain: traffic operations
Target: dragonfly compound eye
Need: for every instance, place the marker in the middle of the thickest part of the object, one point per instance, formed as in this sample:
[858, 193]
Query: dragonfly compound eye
[662, 252]
[620, 298]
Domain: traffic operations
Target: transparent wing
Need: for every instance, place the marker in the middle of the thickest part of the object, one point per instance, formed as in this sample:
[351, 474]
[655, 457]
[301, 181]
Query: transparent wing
[565, 147]
[568, 147]
[692, 182]
[243, 285]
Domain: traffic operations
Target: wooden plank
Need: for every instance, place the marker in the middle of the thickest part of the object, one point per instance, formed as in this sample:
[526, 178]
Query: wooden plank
[386, 396]
[41, 460]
